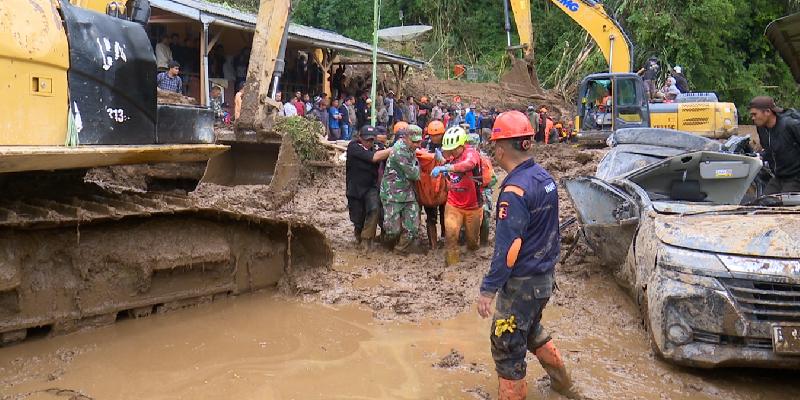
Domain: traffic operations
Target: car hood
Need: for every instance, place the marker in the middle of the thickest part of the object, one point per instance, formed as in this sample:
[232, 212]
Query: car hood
[769, 235]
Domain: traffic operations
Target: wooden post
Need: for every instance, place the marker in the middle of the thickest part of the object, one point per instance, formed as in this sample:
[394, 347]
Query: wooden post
[204, 67]
[256, 103]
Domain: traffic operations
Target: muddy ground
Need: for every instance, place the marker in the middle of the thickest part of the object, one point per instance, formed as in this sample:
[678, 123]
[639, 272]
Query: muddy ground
[600, 331]
[407, 323]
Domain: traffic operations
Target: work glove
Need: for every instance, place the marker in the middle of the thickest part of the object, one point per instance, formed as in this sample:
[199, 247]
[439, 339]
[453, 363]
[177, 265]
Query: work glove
[439, 157]
[440, 170]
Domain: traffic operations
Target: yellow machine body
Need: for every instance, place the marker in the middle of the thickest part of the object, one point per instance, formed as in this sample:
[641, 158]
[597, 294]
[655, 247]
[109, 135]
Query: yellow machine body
[34, 58]
[710, 119]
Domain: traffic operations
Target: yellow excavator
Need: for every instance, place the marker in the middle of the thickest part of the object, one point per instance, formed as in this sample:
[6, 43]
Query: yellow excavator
[79, 91]
[699, 113]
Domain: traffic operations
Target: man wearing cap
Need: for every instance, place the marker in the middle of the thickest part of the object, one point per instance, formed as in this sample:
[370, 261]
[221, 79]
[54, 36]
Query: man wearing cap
[521, 275]
[400, 206]
[364, 157]
[649, 74]
[680, 80]
[780, 137]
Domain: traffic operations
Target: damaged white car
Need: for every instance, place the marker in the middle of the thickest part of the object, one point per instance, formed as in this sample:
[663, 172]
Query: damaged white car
[716, 273]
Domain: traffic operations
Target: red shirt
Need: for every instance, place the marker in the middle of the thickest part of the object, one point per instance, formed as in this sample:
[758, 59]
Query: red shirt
[463, 191]
[301, 108]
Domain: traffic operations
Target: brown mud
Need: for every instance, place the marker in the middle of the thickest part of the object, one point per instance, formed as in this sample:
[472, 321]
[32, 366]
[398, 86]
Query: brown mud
[372, 326]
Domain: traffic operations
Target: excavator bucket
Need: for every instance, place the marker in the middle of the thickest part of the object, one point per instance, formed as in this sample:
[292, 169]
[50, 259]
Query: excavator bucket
[256, 158]
[522, 80]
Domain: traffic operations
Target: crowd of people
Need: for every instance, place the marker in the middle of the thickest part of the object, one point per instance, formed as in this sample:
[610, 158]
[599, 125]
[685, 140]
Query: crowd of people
[345, 115]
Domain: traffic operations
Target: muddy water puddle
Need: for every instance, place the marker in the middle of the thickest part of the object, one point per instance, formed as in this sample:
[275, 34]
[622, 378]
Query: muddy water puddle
[266, 346]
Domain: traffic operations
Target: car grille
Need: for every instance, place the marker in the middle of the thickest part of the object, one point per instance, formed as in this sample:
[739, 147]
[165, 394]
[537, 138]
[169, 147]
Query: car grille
[766, 301]
[750, 342]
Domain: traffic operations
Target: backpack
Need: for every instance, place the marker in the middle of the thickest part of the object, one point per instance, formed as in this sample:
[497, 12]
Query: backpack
[482, 175]
[795, 115]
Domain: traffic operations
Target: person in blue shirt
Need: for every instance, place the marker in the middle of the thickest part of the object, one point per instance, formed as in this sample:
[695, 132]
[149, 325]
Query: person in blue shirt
[471, 119]
[335, 119]
[521, 275]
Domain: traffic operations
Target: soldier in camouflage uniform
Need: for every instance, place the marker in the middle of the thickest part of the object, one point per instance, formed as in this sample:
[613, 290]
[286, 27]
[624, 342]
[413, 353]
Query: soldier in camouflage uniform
[400, 207]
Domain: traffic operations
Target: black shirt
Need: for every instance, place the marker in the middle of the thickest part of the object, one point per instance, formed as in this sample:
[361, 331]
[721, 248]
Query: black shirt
[361, 172]
[782, 146]
[345, 115]
[486, 122]
[428, 144]
[681, 83]
[651, 69]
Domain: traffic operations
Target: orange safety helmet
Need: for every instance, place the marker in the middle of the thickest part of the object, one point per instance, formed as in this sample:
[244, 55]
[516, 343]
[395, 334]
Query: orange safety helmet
[400, 125]
[559, 126]
[511, 124]
[423, 99]
[436, 127]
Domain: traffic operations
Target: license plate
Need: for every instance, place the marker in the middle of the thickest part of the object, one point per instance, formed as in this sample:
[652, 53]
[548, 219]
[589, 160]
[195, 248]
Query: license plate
[786, 339]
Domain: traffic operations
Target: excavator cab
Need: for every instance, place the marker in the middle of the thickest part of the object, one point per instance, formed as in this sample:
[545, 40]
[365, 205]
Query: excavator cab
[608, 102]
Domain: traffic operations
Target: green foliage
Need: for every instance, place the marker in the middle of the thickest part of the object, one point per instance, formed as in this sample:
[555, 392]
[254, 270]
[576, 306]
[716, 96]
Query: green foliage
[306, 136]
[719, 43]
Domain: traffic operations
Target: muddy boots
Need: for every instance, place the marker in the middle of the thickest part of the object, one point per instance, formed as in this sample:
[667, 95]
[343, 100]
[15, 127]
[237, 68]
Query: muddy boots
[560, 380]
[512, 389]
[451, 257]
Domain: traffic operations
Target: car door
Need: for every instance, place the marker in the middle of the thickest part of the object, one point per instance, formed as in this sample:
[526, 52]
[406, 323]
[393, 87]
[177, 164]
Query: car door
[630, 107]
[608, 216]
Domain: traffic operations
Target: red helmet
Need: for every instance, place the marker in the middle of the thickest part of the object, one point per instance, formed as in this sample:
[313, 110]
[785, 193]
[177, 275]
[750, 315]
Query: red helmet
[511, 124]
[436, 127]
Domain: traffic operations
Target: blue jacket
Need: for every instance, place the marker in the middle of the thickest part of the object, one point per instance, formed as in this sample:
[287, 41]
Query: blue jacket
[470, 119]
[527, 209]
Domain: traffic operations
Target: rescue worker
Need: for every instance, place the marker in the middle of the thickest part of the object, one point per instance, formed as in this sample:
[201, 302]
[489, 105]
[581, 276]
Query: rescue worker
[527, 245]
[434, 145]
[545, 126]
[571, 134]
[464, 200]
[364, 158]
[400, 206]
[557, 133]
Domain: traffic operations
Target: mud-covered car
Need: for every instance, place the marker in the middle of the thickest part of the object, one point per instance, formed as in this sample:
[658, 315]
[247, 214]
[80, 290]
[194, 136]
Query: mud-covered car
[716, 274]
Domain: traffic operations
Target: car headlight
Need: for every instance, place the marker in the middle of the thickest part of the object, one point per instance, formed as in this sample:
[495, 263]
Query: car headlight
[691, 262]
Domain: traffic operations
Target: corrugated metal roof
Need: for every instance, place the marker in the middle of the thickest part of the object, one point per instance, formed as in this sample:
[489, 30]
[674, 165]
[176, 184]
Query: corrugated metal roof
[210, 12]
[784, 34]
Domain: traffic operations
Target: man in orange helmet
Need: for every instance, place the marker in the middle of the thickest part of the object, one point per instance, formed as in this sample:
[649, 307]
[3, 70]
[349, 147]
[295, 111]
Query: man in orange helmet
[527, 246]
[434, 145]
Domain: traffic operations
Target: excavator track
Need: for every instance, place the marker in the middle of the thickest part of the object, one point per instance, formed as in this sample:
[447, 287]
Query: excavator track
[85, 256]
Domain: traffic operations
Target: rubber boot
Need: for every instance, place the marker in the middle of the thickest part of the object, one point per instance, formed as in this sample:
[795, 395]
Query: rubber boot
[552, 362]
[451, 257]
[512, 389]
[434, 240]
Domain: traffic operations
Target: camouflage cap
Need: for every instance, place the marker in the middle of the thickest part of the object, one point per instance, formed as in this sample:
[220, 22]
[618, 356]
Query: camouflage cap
[414, 133]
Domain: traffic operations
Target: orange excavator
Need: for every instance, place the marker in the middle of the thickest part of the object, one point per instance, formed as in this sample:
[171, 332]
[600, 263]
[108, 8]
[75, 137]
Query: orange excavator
[79, 91]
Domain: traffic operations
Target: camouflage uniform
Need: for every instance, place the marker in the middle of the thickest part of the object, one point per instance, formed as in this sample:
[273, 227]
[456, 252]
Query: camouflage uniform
[400, 207]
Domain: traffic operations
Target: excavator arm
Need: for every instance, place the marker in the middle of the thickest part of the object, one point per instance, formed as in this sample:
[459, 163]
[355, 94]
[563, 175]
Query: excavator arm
[589, 14]
[258, 154]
